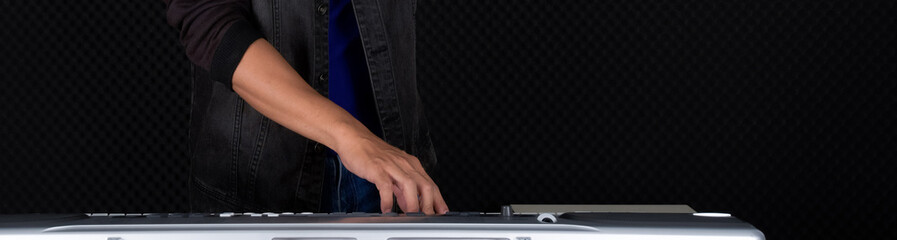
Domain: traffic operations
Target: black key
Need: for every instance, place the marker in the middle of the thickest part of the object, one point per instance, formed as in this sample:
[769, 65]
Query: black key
[389, 214]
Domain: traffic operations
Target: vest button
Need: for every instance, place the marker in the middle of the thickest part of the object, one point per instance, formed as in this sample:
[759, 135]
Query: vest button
[323, 76]
[322, 9]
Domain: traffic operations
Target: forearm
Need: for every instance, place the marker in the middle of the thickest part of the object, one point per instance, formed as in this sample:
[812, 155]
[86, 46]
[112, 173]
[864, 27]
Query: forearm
[271, 86]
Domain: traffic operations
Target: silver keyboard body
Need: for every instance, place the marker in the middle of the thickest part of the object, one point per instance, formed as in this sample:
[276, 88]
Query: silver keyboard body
[306, 226]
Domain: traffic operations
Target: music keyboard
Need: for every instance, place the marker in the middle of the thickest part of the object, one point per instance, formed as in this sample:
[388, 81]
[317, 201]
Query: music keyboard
[360, 226]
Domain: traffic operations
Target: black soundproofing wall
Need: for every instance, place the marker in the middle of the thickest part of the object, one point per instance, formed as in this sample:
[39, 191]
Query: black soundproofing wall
[779, 112]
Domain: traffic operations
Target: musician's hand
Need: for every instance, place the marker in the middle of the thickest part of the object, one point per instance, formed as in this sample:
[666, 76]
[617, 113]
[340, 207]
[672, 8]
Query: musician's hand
[394, 172]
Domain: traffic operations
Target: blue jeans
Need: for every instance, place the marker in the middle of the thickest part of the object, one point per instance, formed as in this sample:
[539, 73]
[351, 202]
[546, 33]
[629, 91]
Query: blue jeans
[344, 191]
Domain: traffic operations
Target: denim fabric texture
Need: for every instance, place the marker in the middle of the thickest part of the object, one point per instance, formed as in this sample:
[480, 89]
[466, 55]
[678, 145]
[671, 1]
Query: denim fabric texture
[345, 191]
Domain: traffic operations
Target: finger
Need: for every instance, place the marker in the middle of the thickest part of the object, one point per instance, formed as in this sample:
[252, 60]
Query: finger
[439, 202]
[409, 192]
[407, 186]
[386, 191]
[432, 198]
[426, 197]
[399, 200]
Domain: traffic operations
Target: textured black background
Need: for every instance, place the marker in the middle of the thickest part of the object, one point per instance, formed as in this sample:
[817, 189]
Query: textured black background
[780, 112]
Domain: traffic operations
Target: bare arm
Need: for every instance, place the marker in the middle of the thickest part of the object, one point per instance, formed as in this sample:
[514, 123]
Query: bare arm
[271, 86]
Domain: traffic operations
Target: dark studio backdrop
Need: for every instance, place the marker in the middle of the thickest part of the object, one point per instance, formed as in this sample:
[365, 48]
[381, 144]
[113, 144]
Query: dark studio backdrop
[780, 112]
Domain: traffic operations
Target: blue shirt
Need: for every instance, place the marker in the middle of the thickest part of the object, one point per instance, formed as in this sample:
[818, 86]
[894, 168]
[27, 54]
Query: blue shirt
[350, 84]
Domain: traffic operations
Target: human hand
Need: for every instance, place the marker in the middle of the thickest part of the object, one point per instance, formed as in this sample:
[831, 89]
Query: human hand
[394, 172]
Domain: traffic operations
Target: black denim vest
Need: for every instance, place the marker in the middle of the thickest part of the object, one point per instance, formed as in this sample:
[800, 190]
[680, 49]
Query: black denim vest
[243, 161]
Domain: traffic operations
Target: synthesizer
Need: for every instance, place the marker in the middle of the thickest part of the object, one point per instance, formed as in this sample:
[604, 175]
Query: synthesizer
[504, 225]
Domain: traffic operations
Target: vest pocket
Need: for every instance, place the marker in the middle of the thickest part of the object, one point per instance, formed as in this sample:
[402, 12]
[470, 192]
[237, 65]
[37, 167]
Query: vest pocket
[215, 158]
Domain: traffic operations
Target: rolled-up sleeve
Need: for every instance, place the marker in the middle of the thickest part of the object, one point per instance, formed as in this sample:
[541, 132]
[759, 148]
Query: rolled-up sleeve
[215, 33]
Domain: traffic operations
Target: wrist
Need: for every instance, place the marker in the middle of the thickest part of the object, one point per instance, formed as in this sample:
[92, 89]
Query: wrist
[351, 133]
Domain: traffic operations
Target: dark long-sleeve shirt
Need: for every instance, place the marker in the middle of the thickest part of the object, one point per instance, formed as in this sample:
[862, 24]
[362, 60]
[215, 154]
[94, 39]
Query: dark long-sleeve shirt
[215, 33]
